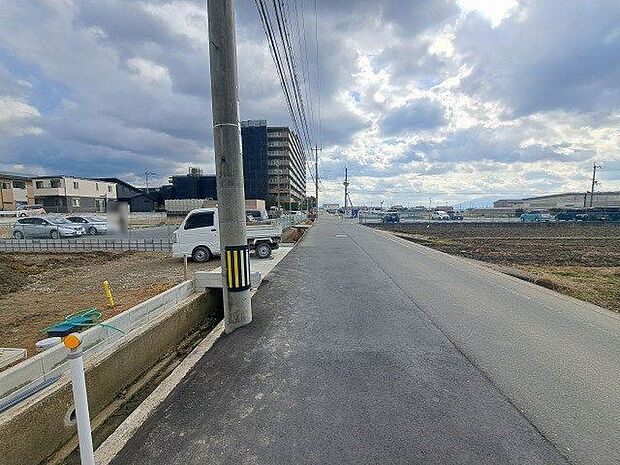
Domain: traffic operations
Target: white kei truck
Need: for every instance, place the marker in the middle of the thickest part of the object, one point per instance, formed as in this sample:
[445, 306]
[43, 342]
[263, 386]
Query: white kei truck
[198, 236]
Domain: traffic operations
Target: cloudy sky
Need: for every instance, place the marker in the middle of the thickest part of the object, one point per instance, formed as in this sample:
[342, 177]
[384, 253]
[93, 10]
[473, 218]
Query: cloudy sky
[448, 99]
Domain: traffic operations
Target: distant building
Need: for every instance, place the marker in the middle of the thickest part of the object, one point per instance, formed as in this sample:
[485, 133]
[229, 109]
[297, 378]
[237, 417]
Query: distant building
[566, 200]
[508, 203]
[194, 185]
[15, 190]
[274, 164]
[71, 194]
[138, 200]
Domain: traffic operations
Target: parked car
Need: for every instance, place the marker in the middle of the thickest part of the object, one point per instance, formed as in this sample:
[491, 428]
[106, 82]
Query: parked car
[24, 210]
[92, 226]
[440, 215]
[256, 215]
[53, 228]
[456, 216]
[536, 216]
[390, 218]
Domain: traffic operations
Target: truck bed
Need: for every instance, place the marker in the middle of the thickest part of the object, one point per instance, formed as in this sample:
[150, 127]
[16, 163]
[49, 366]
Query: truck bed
[264, 229]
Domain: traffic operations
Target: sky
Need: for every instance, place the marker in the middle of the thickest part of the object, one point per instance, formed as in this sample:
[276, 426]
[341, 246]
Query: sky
[425, 101]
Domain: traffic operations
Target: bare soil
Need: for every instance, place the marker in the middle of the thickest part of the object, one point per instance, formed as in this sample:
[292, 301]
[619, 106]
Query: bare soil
[580, 260]
[37, 290]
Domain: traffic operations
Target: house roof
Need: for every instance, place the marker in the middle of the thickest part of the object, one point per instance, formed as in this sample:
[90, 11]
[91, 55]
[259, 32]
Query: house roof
[70, 177]
[133, 188]
[16, 175]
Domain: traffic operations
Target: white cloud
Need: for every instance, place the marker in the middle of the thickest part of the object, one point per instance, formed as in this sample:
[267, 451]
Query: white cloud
[17, 118]
[149, 72]
[493, 10]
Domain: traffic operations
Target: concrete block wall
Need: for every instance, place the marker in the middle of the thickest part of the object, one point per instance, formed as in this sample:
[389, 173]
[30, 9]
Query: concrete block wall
[52, 362]
[33, 430]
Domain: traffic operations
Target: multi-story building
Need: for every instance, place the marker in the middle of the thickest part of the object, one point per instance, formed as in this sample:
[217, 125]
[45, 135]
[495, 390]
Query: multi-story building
[15, 190]
[69, 194]
[274, 164]
[194, 185]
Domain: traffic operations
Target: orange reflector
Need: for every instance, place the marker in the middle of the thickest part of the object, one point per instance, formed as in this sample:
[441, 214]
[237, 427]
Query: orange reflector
[72, 341]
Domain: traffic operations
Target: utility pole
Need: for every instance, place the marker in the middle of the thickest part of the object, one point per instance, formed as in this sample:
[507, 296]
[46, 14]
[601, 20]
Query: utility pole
[278, 180]
[235, 252]
[146, 178]
[316, 176]
[594, 182]
[346, 189]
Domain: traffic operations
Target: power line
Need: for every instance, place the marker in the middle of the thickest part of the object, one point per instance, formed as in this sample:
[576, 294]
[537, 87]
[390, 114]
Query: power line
[290, 61]
[279, 22]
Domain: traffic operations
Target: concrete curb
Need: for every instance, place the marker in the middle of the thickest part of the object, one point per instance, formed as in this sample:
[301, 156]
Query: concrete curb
[108, 450]
[117, 440]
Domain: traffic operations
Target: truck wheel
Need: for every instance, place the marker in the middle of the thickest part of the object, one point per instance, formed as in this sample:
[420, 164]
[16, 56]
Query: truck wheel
[18, 235]
[201, 254]
[263, 250]
[54, 234]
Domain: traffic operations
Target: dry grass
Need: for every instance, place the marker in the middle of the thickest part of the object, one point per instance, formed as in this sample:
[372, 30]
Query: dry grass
[597, 285]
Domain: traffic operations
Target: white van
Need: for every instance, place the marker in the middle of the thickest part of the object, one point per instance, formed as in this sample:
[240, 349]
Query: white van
[199, 237]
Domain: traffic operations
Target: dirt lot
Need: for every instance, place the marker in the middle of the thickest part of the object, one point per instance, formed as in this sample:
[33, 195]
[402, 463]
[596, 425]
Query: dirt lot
[581, 260]
[37, 290]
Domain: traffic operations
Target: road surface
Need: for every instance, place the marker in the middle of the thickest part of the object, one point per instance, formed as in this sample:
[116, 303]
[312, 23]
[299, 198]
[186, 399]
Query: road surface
[370, 349]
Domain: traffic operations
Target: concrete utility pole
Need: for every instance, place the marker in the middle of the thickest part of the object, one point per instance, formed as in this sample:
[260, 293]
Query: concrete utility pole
[316, 176]
[146, 178]
[278, 180]
[594, 182]
[346, 189]
[229, 163]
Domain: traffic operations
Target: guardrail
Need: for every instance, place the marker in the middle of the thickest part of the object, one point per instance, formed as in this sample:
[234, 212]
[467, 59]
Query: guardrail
[85, 245]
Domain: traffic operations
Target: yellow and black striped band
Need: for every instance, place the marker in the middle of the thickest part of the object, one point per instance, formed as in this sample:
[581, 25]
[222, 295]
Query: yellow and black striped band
[238, 267]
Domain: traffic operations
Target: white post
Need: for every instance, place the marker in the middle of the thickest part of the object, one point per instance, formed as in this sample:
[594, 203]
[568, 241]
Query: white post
[73, 342]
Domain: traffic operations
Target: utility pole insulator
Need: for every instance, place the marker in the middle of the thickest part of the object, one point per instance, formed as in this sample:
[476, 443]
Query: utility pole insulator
[228, 156]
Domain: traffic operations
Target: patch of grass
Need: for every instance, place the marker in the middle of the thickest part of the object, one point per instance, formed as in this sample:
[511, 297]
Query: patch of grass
[597, 285]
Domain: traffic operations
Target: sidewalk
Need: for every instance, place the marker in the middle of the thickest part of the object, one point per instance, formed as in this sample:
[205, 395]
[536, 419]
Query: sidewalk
[339, 366]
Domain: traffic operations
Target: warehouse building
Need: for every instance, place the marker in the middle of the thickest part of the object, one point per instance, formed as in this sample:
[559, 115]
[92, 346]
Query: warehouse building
[71, 194]
[566, 200]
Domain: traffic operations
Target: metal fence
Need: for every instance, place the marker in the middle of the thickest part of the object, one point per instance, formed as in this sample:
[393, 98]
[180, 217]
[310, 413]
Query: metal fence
[425, 217]
[156, 244]
[289, 220]
[86, 245]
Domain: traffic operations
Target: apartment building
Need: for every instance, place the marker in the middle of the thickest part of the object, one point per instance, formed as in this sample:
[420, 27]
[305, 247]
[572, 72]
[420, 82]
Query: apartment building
[70, 194]
[274, 163]
[15, 190]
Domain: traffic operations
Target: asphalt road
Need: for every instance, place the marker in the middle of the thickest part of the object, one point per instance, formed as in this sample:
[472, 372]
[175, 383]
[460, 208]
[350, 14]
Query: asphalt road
[556, 358]
[370, 349]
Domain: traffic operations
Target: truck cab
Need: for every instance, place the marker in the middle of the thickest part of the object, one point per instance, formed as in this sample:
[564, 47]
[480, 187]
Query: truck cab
[198, 236]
